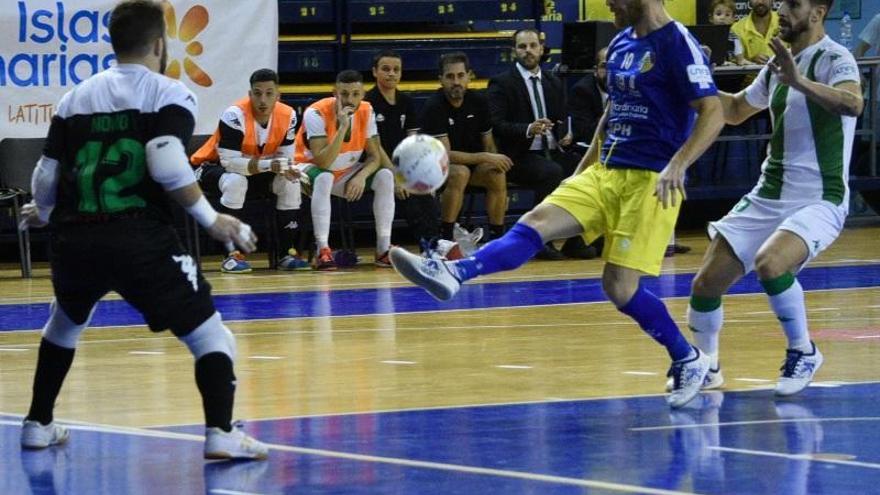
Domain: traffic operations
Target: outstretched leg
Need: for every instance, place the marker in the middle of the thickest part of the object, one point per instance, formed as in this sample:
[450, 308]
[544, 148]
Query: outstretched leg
[443, 279]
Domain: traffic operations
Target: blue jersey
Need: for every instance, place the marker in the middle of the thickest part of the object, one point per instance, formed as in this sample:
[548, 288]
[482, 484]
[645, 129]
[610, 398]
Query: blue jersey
[651, 81]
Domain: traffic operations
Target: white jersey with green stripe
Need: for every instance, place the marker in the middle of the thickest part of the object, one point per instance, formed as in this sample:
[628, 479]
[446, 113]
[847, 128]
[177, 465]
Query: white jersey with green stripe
[809, 152]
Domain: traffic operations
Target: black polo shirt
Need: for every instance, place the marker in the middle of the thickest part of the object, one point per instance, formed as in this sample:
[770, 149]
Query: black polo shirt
[464, 126]
[392, 121]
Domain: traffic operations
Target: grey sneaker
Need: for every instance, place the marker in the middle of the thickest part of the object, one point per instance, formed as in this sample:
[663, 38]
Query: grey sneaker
[235, 444]
[687, 378]
[38, 436]
[798, 370]
[435, 276]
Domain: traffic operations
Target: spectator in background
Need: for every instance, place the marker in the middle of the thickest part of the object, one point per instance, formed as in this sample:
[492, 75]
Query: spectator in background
[527, 107]
[250, 155]
[460, 119]
[395, 119]
[755, 32]
[721, 14]
[869, 38]
[587, 101]
[330, 150]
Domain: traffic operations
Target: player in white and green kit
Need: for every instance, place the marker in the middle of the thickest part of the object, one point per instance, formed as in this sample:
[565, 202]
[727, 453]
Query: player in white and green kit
[798, 207]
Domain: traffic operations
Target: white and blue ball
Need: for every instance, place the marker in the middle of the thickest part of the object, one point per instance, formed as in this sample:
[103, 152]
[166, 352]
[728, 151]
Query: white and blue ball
[421, 163]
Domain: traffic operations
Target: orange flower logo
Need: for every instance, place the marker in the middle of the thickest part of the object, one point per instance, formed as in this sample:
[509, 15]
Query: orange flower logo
[194, 22]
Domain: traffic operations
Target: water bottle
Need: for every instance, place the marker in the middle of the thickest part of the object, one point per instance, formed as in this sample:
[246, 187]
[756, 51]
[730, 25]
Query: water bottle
[846, 31]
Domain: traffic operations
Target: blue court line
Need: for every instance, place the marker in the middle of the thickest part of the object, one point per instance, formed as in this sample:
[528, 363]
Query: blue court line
[352, 302]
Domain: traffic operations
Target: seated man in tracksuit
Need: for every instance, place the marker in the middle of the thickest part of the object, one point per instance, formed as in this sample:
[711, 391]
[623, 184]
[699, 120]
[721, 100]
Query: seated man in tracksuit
[250, 155]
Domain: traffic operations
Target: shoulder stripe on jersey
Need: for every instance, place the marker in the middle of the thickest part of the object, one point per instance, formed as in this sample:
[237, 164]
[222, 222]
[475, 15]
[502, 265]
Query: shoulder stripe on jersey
[696, 52]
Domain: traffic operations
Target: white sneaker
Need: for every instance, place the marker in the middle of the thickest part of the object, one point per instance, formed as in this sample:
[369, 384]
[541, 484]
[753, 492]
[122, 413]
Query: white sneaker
[235, 444]
[714, 379]
[37, 436]
[798, 370]
[688, 376]
[435, 276]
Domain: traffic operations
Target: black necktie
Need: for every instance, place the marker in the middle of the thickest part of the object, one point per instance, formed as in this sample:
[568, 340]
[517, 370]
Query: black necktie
[536, 90]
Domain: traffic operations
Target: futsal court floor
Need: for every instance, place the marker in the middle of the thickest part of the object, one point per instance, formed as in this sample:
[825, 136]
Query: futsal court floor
[528, 382]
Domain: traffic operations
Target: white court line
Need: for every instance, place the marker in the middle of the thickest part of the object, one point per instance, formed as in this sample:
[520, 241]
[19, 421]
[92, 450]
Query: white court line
[867, 337]
[392, 361]
[10, 349]
[471, 406]
[753, 380]
[147, 353]
[798, 457]
[756, 422]
[222, 491]
[640, 373]
[513, 367]
[439, 466]
[266, 357]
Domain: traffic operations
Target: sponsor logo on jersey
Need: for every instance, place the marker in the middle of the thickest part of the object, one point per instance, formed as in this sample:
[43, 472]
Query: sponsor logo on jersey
[647, 62]
[699, 74]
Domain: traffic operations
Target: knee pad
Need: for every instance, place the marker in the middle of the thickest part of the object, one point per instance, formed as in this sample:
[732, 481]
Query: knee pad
[287, 194]
[234, 188]
[61, 330]
[211, 336]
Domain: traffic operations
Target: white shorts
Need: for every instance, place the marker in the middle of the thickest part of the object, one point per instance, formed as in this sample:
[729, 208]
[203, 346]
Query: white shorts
[754, 219]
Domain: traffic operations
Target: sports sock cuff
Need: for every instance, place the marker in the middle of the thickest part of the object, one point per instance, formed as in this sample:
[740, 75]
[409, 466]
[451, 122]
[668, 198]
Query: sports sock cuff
[530, 234]
[778, 285]
[705, 304]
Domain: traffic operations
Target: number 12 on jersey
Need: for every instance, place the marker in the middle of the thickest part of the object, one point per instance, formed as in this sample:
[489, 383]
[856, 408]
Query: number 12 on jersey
[104, 172]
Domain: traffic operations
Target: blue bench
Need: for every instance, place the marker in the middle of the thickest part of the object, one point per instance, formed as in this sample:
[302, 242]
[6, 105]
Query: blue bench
[439, 10]
[305, 11]
[297, 57]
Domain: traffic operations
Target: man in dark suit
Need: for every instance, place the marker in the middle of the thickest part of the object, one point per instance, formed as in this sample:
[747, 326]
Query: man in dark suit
[527, 108]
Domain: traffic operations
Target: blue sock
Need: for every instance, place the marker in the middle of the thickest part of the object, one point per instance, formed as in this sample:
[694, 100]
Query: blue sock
[508, 252]
[651, 314]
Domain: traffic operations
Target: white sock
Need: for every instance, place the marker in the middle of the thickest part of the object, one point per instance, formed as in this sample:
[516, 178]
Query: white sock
[792, 315]
[321, 187]
[705, 326]
[383, 208]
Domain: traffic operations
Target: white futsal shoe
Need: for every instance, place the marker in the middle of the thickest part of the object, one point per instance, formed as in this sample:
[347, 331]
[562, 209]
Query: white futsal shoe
[714, 379]
[235, 444]
[687, 378]
[433, 275]
[38, 436]
[798, 370]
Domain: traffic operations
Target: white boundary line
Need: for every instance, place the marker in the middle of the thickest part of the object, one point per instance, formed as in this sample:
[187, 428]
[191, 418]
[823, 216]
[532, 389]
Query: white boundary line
[494, 404]
[798, 457]
[756, 422]
[438, 466]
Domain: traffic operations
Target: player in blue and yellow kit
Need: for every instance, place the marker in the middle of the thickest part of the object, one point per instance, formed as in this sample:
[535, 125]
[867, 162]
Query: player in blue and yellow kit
[662, 114]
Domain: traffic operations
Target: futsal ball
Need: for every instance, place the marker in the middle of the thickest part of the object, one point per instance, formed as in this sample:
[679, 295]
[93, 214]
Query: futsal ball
[421, 163]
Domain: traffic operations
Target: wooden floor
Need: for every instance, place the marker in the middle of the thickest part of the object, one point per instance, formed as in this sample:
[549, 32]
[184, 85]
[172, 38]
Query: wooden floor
[127, 376]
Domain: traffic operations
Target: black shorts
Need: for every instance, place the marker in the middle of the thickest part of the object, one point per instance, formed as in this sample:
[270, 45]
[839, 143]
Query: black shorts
[259, 185]
[143, 260]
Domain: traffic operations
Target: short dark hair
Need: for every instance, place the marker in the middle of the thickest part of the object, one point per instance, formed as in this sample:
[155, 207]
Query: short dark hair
[134, 25]
[349, 76]
[827, 3]
[384, 54]
[526, 30]
[263, 75]
[454, 58]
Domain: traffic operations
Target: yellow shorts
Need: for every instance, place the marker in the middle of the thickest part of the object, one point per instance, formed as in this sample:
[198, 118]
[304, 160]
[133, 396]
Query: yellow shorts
[620, 204]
